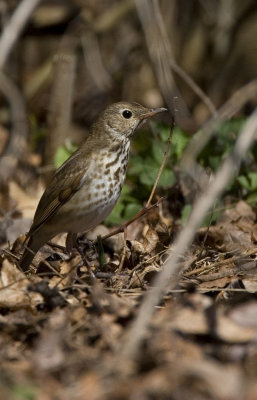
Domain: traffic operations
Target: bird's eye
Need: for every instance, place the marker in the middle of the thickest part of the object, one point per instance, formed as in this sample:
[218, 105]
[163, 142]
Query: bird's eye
[127, 114]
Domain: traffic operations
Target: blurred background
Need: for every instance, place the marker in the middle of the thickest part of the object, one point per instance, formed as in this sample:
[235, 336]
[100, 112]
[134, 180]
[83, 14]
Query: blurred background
[116, 45]
[76, 56]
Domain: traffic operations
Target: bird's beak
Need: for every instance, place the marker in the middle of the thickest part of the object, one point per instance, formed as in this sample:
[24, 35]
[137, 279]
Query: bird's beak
[152, 112]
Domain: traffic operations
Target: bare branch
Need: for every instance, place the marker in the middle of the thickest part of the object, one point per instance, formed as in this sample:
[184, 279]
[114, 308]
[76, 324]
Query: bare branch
[13, 29]
[160, 169]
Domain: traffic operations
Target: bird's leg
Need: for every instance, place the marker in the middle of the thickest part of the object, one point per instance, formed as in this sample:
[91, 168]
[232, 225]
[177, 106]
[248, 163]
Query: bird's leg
[71, 241]
[123, 254]
[80, 247]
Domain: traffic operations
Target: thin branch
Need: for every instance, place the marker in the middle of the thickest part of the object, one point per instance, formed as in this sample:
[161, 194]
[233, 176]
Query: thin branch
[14, 28]
[160, 169]
[216, 264]
[171, 271]
[140, 213]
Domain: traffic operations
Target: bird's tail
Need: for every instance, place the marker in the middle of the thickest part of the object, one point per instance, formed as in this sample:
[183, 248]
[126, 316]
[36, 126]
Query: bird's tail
[35, 242]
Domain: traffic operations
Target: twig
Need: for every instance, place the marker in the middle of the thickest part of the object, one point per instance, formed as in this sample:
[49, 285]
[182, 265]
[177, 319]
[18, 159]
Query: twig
[171, 271]
[123, 254]
[14, 28]
[230, 260]
[138, 215]
[161, 168]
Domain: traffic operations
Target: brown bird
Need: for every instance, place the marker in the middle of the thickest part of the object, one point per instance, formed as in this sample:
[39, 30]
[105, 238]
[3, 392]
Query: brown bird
[86, 187]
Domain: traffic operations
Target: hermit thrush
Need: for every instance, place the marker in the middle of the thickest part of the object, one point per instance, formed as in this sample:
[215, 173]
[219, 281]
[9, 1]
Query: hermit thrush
[86, 187]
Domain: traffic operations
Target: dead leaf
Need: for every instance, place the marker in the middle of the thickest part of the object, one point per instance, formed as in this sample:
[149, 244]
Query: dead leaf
[13, 288]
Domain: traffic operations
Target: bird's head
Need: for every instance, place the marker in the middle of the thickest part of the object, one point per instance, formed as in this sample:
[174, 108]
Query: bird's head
[121, 119]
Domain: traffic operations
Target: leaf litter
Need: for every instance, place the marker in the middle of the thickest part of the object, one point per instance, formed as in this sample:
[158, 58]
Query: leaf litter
[60, 333]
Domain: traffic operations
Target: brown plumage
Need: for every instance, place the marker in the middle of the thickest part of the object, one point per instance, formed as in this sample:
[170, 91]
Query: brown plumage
[86, 187]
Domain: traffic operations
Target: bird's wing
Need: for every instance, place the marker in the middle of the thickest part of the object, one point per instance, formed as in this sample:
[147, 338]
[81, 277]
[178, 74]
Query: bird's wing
[67, 181]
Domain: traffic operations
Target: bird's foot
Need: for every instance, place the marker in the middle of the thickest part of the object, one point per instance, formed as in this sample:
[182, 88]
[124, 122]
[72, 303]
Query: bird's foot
[80, 246]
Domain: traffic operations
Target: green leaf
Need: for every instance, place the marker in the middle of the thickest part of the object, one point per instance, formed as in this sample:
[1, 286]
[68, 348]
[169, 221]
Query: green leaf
[150, 172]
[228, 129]
[167, 178]
[126, 196]
[115, 217]
[148, 177]
[157, 152]
[61, 155]
[244, 182]
[164, 132]
[214, 162]
[135, 165]
[64, 152]
[179, 141]
[131, 210]
[212, 216]
[253, 180]
[252, 199]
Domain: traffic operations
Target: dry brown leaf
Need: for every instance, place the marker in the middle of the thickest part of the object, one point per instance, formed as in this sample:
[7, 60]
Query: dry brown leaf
[194, 322]
[236, 230]
[231, 332]
[250, 284]
[245, 314]
[139, 277]
[13, 288]
[148, 244]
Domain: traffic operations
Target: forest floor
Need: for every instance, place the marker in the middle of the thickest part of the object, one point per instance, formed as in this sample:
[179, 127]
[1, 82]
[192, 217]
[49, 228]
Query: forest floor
[62, 333]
